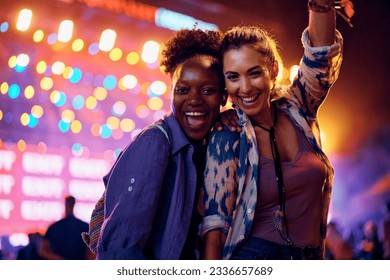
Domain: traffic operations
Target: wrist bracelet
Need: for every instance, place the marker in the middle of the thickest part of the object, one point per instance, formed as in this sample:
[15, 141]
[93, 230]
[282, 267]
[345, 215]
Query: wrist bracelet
[315, 7]
[344, 8]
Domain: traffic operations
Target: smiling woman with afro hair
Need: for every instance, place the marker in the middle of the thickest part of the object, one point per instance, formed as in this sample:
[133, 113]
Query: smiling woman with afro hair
[151, 196]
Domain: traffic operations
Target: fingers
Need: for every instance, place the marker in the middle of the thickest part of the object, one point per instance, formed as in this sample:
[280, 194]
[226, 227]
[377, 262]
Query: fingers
[230, 119]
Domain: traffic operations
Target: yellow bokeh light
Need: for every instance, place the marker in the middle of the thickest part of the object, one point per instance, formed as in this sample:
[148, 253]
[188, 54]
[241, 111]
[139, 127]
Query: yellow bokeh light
[41, 67]
[37, 111]
[29, 92]
[46, 83]
[1, 115]
[22, 145]
[115, 54]
[155, 103]
[68, 71]
[121, 86]
[55, 96]
[132, 58]
[144, 87]
[77, 45]
[12, 61]
[24, 119]
[127, 125]
[100, 93]
[76, 126]
[113, 122]
[162, 69]
[90, 102]
[67, 116]
[4, 87]
[38, 36]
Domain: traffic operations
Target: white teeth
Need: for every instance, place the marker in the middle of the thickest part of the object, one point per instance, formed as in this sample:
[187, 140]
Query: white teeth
[195, 114]
[249, 99]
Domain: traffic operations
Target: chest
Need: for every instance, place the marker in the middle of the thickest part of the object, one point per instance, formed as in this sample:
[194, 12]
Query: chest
[286, 140]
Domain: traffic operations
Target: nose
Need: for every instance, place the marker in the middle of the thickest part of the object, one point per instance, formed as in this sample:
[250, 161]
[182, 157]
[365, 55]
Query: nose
[245, 85]
[194, 98]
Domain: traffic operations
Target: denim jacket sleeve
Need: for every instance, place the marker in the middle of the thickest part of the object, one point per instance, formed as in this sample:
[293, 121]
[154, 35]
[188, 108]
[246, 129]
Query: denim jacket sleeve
[132, 194]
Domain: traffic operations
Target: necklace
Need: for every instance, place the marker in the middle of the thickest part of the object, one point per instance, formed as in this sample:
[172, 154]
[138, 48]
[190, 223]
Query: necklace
[280, 218]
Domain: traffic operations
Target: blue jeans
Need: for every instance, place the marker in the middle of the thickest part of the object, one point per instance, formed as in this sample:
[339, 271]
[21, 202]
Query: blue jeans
[255, 248]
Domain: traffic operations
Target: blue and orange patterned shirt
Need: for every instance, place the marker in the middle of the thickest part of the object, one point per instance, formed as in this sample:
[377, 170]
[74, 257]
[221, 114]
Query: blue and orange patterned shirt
[232, 173]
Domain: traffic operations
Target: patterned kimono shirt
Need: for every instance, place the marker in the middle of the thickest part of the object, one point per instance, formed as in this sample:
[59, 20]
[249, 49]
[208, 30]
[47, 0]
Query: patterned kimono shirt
[232, 168]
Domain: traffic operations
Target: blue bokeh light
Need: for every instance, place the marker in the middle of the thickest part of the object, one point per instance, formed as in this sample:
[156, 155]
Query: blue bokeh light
[110, 82]
[33, 121]
[4, 27]
[105, 131]
[61, 100]
[14, 91]
[78, 102]
[63, 126]
[76, 76]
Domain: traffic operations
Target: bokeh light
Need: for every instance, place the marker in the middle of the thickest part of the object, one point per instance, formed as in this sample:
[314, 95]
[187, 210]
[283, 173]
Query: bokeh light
[78, 45]
[29, 92]
[38, 36]
[115, 54]
[132, 58]
[119, 108]
[142, 111]
[127, 125]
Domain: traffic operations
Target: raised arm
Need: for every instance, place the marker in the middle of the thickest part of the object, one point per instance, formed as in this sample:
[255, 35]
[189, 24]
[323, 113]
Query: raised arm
[322, 22]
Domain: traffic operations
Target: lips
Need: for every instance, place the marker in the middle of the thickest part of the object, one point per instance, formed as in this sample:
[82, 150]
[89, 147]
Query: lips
[195, 119]
[249, 100]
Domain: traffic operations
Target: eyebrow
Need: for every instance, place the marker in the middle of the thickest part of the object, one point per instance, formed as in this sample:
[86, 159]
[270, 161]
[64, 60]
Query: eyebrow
[249, 70]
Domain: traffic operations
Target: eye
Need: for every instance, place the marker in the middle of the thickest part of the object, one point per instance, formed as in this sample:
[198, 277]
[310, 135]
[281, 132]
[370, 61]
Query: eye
[209, 91]
[231, 77]
[256, 73]
[181, 90]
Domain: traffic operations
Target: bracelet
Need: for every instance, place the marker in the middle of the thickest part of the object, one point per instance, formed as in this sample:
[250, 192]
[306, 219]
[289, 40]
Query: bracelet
[344, 8]
[315, 7]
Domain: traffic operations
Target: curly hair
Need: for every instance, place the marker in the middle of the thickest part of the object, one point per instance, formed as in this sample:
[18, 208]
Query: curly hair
[187, 43]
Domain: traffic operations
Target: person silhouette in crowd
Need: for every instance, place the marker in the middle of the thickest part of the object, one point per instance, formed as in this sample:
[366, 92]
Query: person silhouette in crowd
[370, 248]
[62, 240]
[30, 251]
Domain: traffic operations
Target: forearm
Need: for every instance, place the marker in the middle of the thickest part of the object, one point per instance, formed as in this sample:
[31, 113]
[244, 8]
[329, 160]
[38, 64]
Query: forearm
[322, 23]
[214, 242]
